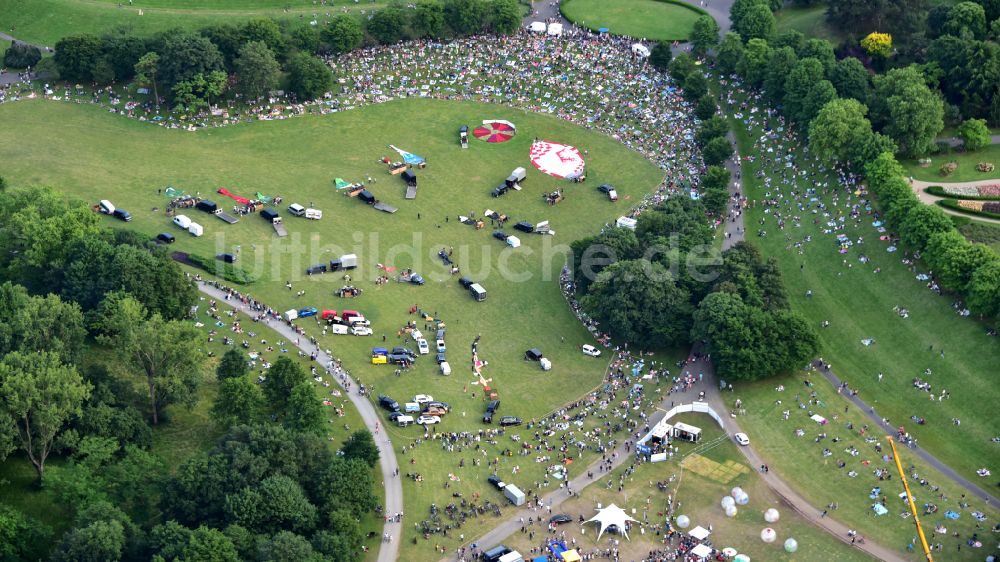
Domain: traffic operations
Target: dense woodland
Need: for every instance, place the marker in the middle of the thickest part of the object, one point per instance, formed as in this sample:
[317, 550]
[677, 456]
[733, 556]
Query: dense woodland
[94, 346]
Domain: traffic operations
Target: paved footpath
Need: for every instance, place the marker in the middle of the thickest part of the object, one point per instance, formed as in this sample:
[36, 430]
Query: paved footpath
[389, 551]
[919, 186]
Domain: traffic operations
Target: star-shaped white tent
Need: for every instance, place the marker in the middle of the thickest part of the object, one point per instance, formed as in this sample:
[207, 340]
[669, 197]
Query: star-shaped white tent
[611, 515]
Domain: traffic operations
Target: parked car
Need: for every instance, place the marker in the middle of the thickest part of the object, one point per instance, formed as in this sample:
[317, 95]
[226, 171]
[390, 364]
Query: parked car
[428, 420]
[438, 404]
[609, 189]
[398, 358]
[434, 411]
[465, 282]
[316, 269]
[491, 409]
[165, 237]
[742, 439]
[441, 347]
[388, 403]
[510, 420]
[361, 331]
[423, 398]
[416, 279]
[404, 350]
[496, 481]
[590, 350]
[122, 214]
[423, 347]
[394, 415]
[440, 358]
[416, 335]
[560, 518]
[308, 312]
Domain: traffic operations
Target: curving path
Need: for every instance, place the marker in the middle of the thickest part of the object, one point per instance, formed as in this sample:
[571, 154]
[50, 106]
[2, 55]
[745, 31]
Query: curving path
[919, 186]
[389, 551]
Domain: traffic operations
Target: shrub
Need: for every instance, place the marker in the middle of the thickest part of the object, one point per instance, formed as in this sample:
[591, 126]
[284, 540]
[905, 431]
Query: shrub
[948, 168]
[21, 55]
[985, 167]
[227, 271]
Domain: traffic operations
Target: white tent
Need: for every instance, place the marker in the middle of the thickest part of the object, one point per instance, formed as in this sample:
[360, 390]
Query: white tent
[640, 50]
[611, 515]
[701, 551]
[555, 29]
[699, 533]
[537, 27]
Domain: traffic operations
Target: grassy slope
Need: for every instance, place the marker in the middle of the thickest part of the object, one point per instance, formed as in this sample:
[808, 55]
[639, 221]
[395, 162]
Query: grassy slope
[810, 20]
[649, 19]
[46, 21]
[95, 155]
[966, 166]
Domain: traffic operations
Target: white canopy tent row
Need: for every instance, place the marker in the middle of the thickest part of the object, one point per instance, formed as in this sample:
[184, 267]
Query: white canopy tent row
[611, 516]
[537, 27]
[555, 29]
[640, 50]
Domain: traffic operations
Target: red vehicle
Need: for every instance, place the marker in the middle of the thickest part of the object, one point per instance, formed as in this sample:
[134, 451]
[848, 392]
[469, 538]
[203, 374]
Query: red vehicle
[328, 314]
[348, 314]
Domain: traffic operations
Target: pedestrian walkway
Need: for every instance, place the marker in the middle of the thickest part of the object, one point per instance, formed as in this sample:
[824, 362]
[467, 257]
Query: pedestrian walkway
[919, 186]
[389, 550]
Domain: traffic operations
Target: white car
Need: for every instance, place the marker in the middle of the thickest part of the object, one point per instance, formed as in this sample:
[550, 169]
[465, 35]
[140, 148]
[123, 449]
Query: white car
[423, 398]
[440, 346]
[416, 335]
[428, 420]
[590, 350]
[422, 347]
[361, 331]
[741, 438]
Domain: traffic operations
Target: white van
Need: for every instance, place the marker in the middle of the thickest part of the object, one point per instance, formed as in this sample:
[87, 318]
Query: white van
[338, 329]
[445, 368]
[182, 221]
[291, 315]
[297, 210]
[404, 421]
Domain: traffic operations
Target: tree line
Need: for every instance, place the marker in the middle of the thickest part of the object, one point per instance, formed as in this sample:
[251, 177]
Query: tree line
[193, 69]
[96, 342]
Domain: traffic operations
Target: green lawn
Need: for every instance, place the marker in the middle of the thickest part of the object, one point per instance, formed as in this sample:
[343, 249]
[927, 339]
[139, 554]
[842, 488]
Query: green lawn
[810, 20]
[96, 155]
[859, 304]
[699, 498]
[645, 19]
[966, 166]
[46, 21]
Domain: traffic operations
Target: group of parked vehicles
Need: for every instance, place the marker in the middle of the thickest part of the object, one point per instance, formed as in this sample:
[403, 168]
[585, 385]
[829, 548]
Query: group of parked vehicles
[427, 410]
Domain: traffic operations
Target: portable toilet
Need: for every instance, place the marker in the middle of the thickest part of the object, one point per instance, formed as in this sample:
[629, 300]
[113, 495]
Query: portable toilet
[196, 229]
[514, 494]
[182, 221]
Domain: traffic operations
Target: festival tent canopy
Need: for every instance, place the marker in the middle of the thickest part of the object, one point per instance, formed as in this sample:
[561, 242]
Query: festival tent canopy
[640, 50]
[611, 515]
[701, 551]
[555, 29]
[699, 533]
[537, 26]
[408, 157]
[555, 159]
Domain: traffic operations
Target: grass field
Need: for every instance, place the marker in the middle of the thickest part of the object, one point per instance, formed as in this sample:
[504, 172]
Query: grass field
[966, 166]
[645, 19]
[44, 22]
[95, 155]
[698, 497]
[810, 20]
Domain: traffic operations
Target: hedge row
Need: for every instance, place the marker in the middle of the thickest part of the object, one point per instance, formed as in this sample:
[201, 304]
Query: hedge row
[219, 268]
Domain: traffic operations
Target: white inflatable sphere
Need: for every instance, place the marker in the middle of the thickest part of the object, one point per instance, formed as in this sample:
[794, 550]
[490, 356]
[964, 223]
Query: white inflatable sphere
[731, 511]
[683, 521]
[771, 515]
[735, 492]
[791, 545]
[768, 535]
[743, 499]
[727, 501]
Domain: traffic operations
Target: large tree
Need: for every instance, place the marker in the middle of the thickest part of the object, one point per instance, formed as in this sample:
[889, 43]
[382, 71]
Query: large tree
[730, 53]
[239, 402]
[278, 503]
[360, 445]
[282, 377]
[342, 539]
[32, 323]
[257, 71]
[38, 395]
[704, 35]
[145, 73]
[907, 110]
[804, 88]
[22, 537]
[233, 365]
[839, 131]
[162, 352]
[776, 74]
[304, 412]
[641, 302]
[757, 23]
[76, 56]
[185, 55]
[851, 79]
[388, 25]
[343, 34]
[966, 17]
[504, 16]
[465, 17]
[427, 19]
[753, 65]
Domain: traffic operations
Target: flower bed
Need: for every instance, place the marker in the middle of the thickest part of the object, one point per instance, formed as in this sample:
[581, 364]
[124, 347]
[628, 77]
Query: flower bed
[989, 209]
[985, 192]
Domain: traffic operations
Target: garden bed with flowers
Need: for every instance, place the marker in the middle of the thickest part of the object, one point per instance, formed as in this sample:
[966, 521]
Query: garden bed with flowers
[988, 192]
[990, 209]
